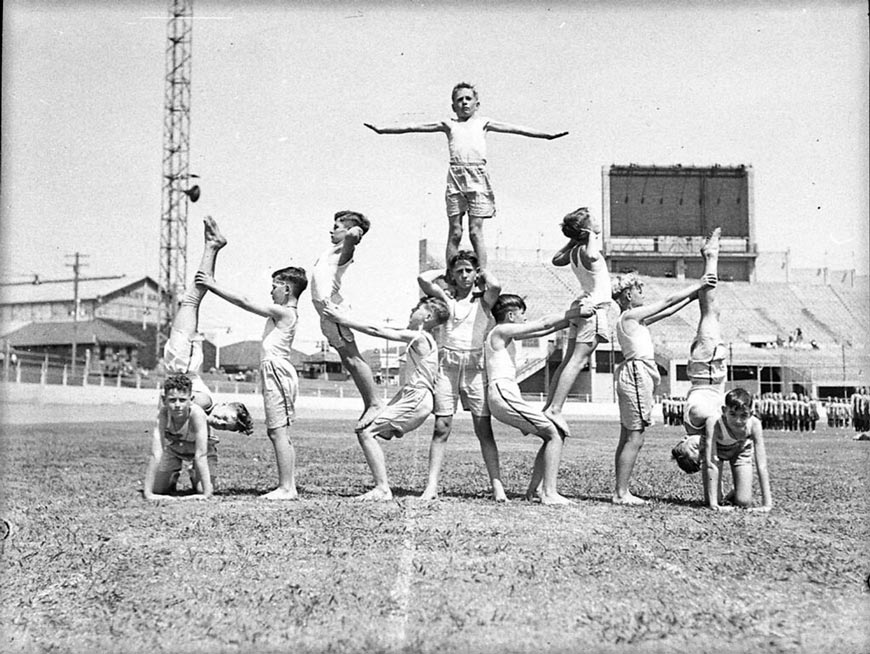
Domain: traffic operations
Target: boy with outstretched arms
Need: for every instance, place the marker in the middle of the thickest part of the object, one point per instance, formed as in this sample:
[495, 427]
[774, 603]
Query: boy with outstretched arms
[347, 230]
[503, 393]
[637, 375]
[460, 358]
[734, 436]
[413, 402]
[278, 381]
[469, 189]
[180, 437]
[583, 253]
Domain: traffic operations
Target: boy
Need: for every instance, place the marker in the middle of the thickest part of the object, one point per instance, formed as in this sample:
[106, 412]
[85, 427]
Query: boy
[182, 353]
[637, 376]
[503, 393]
[413, 402]
[278, 382]
[347, 230]
[583, 253]
[180, 437]
[735, 436]
[468, 186]
[461, 368]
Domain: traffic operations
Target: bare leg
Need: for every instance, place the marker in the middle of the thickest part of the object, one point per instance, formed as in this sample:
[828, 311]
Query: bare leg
[533, 492]
[437, 448]
[708, 327]
[489, 450]
[454, 238]
[552, 454]
[375, 458]
[285, 456]
[475, 235]
[365, 383]
[563, 380]
[630, 442]
[741, 476]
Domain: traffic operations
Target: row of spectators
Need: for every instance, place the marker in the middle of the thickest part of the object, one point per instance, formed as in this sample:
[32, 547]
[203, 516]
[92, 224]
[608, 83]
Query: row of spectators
[793, 411]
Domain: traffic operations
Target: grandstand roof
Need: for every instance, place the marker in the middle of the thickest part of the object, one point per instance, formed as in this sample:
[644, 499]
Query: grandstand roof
[62, 333]
[63, 291]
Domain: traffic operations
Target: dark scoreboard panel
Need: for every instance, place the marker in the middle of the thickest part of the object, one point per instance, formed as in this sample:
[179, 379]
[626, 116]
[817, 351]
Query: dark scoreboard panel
[678, 201]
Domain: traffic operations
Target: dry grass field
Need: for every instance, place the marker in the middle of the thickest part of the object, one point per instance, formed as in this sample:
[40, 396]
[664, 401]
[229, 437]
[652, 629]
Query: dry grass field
[89, 566]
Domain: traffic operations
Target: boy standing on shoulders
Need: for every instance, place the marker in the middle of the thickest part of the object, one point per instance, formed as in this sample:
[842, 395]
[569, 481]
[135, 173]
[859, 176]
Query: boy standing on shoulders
[736, 437]
[468, 186]
[583, 254]
[278, 381]
[347, 230]
[181, 436]
[413, 402]
[637, 376]
[503, 393]
[461, 367]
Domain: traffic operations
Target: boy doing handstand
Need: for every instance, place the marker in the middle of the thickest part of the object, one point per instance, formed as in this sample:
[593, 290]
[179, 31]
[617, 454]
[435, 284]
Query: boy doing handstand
[461, 368]
[503, 393]
[469, 190]
[637, 376]
[182, 355]
[735, 436]
[413, 402]
[583, 254]
[348, 228]
[278, 382]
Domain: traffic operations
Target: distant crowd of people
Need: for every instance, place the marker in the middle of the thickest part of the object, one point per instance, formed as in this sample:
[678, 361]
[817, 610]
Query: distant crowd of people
[793, 411]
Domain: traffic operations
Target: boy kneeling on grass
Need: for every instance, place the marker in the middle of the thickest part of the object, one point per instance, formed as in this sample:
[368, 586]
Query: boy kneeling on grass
[181, 437]
[736, 437]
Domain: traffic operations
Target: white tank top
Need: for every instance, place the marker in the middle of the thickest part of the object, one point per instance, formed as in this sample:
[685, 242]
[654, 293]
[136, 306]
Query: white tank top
[638, 345]
[467, 325]
[277, 342]
[596, 282]
[419, 371]
[326, 276]
[466, 140]
[500, 364]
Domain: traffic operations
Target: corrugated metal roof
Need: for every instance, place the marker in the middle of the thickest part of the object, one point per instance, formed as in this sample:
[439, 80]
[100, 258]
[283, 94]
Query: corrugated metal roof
[63, 291]
[61, 333]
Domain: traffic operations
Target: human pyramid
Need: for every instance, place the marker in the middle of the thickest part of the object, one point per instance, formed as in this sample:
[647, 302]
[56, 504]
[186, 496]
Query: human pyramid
[460, 341]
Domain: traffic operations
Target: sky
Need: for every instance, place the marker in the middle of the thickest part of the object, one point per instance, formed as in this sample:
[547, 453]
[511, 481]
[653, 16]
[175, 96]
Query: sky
[280, 92]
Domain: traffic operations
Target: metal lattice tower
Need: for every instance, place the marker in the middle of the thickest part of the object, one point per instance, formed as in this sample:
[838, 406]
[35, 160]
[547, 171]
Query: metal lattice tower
[176, 154]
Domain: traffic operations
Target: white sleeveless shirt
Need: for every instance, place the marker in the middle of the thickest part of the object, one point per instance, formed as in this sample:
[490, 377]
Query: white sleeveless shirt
[500, 364]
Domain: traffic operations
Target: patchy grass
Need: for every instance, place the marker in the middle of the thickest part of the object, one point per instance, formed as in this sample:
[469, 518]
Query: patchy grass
[89, 566]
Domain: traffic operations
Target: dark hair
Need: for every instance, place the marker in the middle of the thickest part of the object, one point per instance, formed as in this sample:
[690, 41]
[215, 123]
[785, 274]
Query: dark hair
[244, 421]
[464, 255]
[738, 398]
[294, 277]
[178, 382]
[438, 307]
[506, 303]
[576, 224]
[353, 219]
[463, 85]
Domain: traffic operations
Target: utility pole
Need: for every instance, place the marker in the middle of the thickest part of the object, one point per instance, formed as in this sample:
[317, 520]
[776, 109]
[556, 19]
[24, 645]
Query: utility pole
[76, 267]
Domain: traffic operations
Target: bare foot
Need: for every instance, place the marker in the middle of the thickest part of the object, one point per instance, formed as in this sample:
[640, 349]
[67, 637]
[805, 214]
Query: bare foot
[627, 499]
[368, 415]
[428, 495]
[711, 244]
[212, 233]
[376, 495]
[559, 420]
[280, 494]
[498, 493]
[555, 500]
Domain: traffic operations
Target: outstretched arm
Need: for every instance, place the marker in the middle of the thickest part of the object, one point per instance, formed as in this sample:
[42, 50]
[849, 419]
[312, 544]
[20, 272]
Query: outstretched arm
[199, 426]
[407, 129]
[507, 128]
[761, 466]
[275, 311]
[655, 311]
[543, 326]
[372, 329]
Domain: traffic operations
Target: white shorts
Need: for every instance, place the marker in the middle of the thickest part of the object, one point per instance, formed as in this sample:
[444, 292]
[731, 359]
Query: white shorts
[279, 386]
[597, 327]
[407, 410]
[506, 404]
[336, 335]
[182, 354]
[460, 378]
[635, 384]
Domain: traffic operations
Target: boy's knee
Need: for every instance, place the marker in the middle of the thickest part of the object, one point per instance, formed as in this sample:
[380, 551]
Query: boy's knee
[443, 426]
[549, 433]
